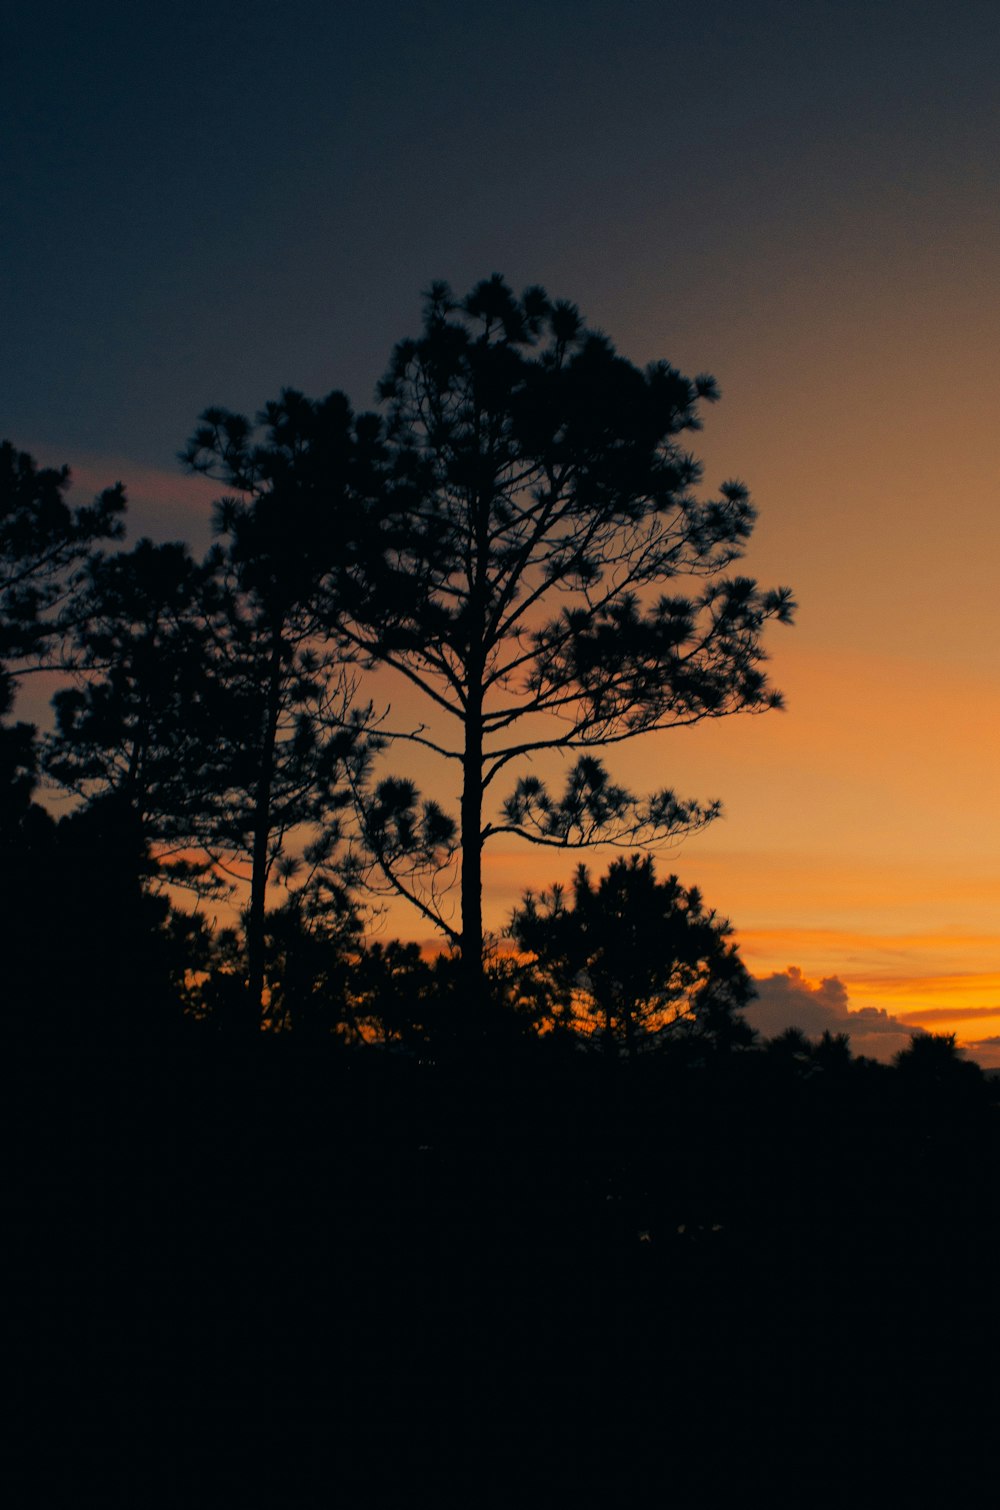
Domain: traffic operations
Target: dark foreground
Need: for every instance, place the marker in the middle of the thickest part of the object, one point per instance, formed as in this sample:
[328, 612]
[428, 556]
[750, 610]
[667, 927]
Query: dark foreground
[358, 1278]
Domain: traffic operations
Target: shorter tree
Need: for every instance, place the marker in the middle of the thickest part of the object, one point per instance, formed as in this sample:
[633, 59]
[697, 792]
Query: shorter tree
[88, 951]
[18, 765]
[292, 732]
[43, 544]
[395, 996]
[141, 721]
[311, 945]
[633, 959]
[934, 1068]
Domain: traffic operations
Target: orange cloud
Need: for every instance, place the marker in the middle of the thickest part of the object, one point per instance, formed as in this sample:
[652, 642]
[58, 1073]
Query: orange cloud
[166, 503]
[926, 1015]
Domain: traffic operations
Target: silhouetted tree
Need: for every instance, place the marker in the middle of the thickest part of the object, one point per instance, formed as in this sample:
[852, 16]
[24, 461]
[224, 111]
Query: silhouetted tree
[393, 994]
[143, 721]
[540, 503]
[790, 1049]
[933, 1070]
[930, 1056]
[310, 950]
[75, 881]
[634, 958]
[293, 736]
[88, 951]
[18, 765]
[43, 542]
[26, 840]
[832, 1053]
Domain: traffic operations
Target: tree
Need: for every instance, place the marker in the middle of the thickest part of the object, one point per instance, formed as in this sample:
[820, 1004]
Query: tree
[538, 501]
[43, 546]
[18, 766]
[832, 1053]
[87, 949]
[284, 702]
[633, 958]
[310, 954]
[106, 924]
[395, 995]
[933, 1063]
[142, 721]
[43, 542]
[26, 847]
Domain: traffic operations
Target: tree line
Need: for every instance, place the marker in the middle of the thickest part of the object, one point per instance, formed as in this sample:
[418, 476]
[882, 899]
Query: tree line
[516, 535]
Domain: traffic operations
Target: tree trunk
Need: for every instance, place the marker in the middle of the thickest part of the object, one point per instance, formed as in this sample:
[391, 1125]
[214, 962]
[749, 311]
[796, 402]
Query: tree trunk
[261, 836]
[472, 850]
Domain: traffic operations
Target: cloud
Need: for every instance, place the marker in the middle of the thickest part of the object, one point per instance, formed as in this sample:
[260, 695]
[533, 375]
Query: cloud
[986, 1051]
[787, 999]
[953, 1014]
[166, 503]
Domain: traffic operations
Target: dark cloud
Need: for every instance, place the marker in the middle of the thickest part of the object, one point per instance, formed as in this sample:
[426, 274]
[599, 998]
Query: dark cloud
[986, 1051]
[788, 1000]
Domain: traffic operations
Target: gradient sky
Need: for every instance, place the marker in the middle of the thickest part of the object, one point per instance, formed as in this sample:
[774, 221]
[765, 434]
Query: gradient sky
[799, 197]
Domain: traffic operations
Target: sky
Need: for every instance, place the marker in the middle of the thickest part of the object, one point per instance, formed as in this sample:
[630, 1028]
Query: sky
[206, 205]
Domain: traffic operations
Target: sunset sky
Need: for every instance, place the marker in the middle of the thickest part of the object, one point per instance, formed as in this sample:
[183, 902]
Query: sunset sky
[799, 197]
